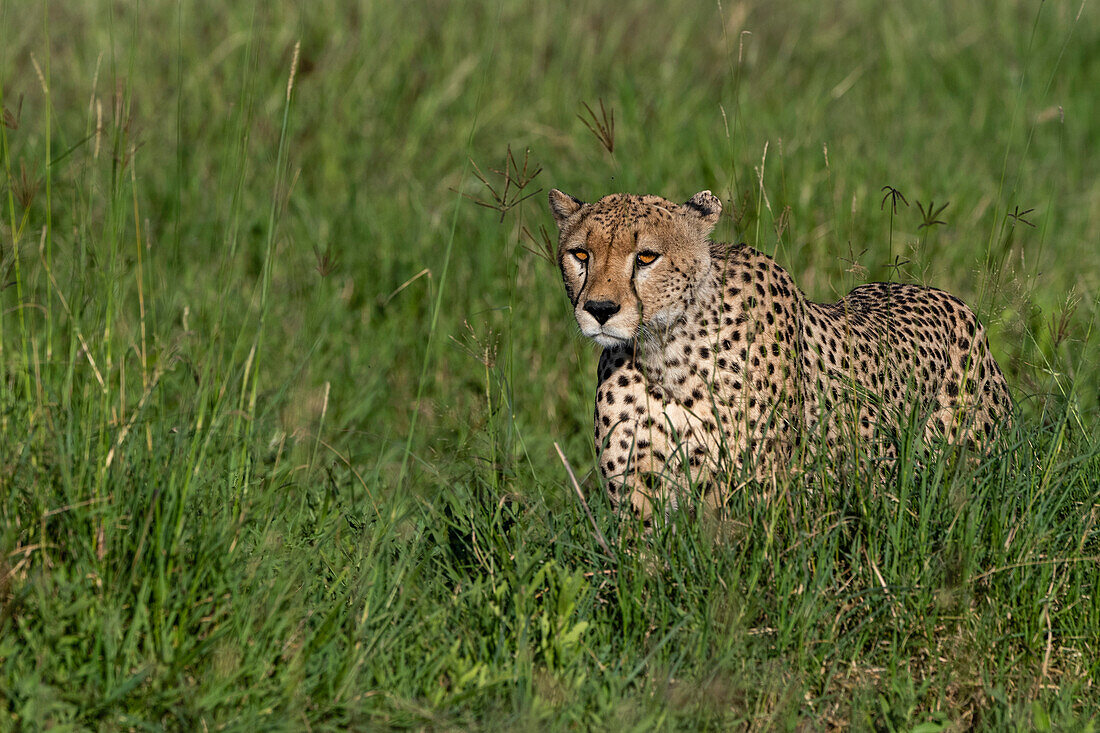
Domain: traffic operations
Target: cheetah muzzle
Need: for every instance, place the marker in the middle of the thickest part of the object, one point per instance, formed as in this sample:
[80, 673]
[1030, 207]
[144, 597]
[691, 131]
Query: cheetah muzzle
[716, 365]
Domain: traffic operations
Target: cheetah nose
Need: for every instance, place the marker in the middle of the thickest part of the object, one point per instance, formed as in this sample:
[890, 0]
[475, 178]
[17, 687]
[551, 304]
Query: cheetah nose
[601, 310]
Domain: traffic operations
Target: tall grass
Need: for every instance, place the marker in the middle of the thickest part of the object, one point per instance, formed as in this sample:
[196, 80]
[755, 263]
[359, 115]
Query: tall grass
[279, 401]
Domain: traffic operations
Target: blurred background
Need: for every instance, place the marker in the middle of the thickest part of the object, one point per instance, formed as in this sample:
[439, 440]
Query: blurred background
[796, 114]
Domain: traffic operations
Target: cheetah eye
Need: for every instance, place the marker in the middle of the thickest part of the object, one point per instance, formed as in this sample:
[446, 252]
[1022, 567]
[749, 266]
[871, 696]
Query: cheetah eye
[580, 254]
[647, 257]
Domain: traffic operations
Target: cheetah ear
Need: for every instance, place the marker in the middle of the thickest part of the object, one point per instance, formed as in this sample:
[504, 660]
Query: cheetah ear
[563, 206]
[705, 207]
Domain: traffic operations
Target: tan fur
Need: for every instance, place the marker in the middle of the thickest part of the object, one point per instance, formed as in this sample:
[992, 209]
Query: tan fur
[715, 364]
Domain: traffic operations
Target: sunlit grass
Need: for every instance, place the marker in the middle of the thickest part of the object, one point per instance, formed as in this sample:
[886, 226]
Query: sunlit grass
[280, 401]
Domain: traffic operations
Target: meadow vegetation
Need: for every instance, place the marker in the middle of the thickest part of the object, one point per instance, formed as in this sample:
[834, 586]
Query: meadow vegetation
[284, 367]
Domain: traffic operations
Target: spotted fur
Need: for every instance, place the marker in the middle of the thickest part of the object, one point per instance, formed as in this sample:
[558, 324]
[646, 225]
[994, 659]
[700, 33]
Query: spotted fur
[715, 363]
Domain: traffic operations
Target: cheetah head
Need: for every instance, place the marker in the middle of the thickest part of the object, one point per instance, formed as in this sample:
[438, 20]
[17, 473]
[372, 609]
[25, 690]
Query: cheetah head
[632, 264]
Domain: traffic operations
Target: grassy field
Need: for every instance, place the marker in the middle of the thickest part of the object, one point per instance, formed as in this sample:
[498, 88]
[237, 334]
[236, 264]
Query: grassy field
[280, 400]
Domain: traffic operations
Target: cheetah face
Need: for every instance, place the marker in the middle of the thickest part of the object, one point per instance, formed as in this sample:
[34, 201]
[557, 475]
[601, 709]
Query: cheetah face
[631, 264]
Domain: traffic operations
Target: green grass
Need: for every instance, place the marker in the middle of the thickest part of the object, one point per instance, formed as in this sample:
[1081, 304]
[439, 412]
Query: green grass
[279, 400]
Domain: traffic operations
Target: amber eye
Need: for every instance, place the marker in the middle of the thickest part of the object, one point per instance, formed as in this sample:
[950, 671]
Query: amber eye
[580, 254]
[647, 257]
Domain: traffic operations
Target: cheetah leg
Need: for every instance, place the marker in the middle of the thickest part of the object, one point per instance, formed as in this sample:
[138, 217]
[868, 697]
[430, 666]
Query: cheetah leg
[658, 459]
[972, 406]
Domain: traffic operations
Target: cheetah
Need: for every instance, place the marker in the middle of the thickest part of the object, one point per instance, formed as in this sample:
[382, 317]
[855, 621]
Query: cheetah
[715, 364]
